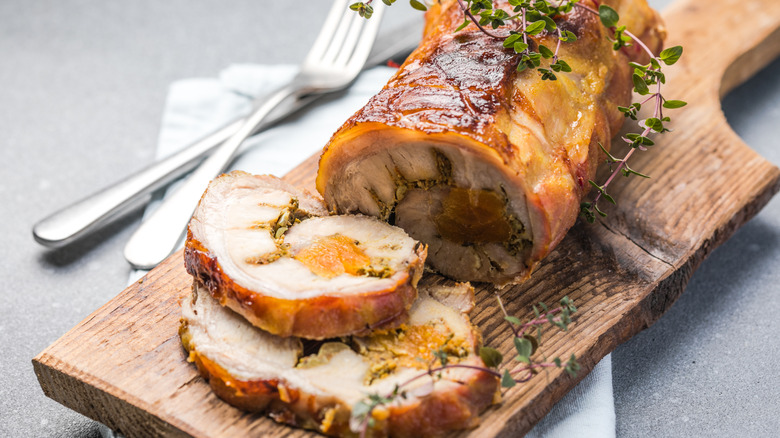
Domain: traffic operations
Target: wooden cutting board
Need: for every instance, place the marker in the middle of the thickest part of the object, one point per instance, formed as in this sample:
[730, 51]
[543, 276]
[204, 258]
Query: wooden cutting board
[124, 365]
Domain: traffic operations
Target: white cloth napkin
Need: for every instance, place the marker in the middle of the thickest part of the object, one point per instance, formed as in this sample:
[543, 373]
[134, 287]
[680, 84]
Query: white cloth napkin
[195, 107]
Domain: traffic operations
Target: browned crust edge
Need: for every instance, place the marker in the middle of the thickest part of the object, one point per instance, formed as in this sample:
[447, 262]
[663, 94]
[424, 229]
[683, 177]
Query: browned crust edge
[319, 317]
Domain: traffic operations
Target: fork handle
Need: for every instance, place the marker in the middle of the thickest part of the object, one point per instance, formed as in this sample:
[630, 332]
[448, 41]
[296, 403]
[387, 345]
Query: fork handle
[160, 234]
[70, 223]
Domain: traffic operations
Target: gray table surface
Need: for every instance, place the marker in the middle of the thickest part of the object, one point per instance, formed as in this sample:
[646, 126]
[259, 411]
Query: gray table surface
[82, 87]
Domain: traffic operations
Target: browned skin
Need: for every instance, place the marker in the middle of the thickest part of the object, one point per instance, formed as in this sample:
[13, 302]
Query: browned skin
[463, 88]
[442, 412]
[313, 318]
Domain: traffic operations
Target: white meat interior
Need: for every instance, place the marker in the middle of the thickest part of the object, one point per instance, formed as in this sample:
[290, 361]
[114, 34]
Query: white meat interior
[421, 187]
[248, 353]
[256, 233]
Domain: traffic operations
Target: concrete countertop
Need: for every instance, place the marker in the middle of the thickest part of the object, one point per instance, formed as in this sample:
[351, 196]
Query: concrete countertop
[82, 88]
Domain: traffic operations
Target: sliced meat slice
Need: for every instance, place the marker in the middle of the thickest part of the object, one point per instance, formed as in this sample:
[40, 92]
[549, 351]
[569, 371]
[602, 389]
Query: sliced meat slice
[315, 384]
[269, 252]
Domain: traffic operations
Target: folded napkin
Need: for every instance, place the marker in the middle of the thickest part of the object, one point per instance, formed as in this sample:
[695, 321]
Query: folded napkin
[196, 107]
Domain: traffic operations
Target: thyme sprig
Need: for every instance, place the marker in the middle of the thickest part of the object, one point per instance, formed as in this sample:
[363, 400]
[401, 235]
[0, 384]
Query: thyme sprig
[528, 18]
[365, 10]
[532, 17]
[643, 77]
[525, 367]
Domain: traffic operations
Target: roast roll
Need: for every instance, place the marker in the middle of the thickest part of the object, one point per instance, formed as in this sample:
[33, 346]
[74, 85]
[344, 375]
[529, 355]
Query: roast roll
[484, 164]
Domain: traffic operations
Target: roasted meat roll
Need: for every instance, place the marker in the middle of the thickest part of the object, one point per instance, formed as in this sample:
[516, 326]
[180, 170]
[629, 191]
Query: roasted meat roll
[269, 252]
[484, 164]
[315, 384]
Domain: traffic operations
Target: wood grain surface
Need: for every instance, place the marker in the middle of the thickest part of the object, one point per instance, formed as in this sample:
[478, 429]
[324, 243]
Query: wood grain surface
[124, 365]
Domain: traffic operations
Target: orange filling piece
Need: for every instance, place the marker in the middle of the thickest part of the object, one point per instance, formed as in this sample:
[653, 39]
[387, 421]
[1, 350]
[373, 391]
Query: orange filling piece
[414, 346]
[470, 216]
[418, 343]
[333, 255]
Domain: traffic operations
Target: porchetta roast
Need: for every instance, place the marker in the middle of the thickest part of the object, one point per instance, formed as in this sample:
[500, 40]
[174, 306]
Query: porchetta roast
[484, 164]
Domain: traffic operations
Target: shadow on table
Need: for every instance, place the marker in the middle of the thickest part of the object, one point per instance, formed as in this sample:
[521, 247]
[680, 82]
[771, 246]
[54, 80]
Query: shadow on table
[72, 252]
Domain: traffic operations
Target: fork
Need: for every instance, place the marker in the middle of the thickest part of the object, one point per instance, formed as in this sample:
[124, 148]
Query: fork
[78, 219]
[333, 62]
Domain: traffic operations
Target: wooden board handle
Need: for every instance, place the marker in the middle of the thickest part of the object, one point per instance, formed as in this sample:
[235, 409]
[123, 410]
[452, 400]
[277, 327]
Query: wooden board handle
[726, 41]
